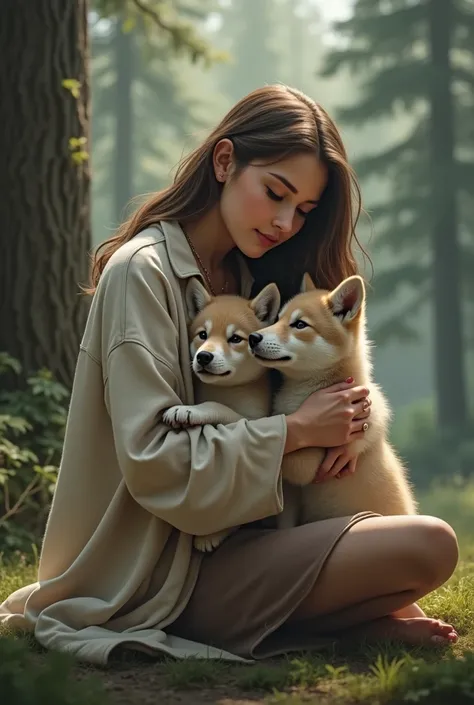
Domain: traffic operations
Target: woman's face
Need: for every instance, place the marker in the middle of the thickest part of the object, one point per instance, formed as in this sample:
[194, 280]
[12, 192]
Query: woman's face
[265, 205]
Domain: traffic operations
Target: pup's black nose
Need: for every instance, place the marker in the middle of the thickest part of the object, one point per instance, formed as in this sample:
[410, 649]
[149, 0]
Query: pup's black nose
[255, 339]
[204, 358]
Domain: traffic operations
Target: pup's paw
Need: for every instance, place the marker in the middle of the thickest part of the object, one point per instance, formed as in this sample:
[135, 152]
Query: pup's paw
[207, 544]
[183, 416]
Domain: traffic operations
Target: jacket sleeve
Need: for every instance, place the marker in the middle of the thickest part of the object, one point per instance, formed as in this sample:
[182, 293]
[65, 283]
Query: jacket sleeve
[199, 480]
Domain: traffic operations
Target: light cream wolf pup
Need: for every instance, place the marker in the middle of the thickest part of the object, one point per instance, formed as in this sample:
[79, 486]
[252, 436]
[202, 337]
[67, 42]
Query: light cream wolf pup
[320, 339]
[230, 384]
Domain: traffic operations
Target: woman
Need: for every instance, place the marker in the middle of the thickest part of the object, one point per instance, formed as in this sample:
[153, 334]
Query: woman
[266, 197]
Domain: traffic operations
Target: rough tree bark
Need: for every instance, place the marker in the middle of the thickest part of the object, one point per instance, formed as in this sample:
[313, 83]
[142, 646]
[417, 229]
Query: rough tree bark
[44, 204]
[447, 298]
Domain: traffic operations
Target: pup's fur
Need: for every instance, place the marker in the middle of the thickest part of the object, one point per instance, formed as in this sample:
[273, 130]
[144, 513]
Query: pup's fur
[232, 385]
[320, 339]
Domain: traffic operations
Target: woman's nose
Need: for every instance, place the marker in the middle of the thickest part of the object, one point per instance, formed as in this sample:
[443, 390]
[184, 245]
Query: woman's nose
[284, 221]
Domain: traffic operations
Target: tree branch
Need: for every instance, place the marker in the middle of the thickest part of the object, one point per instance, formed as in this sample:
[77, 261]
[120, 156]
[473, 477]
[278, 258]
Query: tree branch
[29, 491]
[155, 16]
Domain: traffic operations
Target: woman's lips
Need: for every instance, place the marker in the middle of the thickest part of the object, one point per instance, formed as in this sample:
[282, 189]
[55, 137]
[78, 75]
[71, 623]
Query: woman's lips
[266, 240]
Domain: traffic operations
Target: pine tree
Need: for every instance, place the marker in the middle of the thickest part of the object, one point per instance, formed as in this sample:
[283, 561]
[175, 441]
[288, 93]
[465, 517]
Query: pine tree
[416, 61]
[247, 32]
[142, 113]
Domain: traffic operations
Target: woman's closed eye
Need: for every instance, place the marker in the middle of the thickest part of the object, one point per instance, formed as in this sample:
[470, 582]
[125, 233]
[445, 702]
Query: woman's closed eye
[275, 197]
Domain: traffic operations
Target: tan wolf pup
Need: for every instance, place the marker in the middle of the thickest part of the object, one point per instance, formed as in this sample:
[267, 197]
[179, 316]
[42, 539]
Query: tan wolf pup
[230, 384]
[318, 340]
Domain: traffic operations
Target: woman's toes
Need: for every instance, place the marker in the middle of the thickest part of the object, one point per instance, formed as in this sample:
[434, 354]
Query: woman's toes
[452, 638]
[443, 631]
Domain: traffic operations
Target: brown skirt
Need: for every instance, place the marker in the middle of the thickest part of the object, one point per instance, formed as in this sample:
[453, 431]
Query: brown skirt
[251, 584]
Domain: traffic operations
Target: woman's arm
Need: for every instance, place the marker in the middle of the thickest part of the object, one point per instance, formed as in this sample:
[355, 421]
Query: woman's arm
[296, 434]
[200, 480]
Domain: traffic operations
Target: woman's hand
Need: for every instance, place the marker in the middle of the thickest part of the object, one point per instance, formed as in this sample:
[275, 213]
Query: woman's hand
[338, 463]
[334, 416]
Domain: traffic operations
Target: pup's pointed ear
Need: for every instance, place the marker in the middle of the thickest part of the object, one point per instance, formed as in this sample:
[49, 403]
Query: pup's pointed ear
[346, 300]
[307, 284]
[267, 304]
[197, 298]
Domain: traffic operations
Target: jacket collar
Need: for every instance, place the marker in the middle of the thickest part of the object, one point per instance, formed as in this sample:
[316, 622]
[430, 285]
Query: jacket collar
[184, 263]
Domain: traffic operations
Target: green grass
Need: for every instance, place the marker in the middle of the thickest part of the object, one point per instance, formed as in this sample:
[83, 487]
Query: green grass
[376, 674]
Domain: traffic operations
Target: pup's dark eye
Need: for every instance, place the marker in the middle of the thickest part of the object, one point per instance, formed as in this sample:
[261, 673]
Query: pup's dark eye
[235, 339]
[299, 324]
[202, 335]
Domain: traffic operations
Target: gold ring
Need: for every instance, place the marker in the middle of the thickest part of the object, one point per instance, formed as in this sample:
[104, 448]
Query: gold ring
[365, 426]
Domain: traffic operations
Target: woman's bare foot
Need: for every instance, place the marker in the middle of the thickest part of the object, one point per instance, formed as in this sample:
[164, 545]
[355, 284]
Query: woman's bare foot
[413, 610]
[422, 631]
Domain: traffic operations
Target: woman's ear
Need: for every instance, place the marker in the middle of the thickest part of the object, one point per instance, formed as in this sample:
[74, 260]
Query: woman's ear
[222, 159]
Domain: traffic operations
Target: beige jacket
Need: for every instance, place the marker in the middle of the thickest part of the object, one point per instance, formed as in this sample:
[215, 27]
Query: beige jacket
[117, 563]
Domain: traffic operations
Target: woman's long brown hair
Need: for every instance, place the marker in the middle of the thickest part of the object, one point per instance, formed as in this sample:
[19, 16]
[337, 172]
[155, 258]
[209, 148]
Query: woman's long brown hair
[269, 124]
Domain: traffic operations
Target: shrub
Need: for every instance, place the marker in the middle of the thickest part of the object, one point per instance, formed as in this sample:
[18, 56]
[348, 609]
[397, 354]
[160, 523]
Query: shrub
[27, 679]
[32, 424]
[430, 453]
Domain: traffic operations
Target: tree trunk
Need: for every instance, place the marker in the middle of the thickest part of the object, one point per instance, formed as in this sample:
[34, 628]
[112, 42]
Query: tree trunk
[251, 26]
[447, 298]
[123, 167]
[44, 208]
[297, 43]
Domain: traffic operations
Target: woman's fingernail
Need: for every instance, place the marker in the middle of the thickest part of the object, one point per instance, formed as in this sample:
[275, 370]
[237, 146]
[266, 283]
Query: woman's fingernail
[349, 380]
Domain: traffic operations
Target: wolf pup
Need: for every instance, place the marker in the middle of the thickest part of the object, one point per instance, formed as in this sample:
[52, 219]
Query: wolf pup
[230, 384]
[320, 339]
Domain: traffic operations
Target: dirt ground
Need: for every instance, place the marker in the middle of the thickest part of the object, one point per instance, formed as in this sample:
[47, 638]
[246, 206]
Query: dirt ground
[132, 688]
[153, 683]
[147, 684]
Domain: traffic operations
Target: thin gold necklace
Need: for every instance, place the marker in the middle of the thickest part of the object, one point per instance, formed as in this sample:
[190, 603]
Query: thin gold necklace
[204, 269]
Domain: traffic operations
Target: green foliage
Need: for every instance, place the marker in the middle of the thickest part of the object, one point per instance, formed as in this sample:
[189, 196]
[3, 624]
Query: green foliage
[27, 680]
[79, 154]
[166, 19]
[429, 452]
[72, 85]
[32, 424]
[76, 147]
[451, 680]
